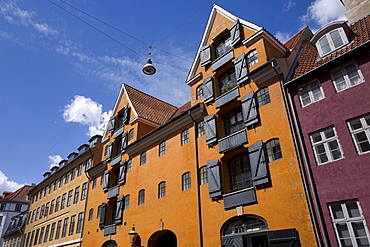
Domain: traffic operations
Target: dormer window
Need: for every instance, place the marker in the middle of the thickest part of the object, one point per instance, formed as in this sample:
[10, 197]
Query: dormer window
[223, 46]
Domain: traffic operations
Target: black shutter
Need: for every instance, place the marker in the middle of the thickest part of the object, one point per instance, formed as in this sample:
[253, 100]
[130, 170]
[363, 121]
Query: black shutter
[249, 109]
[235, 32]
[102, 213]
[258, 164]
[208, 89]
[211, 130]
[234, 241]
[241, 69]
[214, 179]
[125, 115]
[111, 123]
[205, 55]
[106, 180]
[122, 173]
[119, 210]
[124, 141]
[284, 238]
[108, 154]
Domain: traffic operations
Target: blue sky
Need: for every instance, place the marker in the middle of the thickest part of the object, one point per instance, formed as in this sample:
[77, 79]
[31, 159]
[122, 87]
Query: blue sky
[61, 66]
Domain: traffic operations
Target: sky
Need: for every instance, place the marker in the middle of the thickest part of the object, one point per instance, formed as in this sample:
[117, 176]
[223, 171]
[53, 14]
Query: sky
[62, 64]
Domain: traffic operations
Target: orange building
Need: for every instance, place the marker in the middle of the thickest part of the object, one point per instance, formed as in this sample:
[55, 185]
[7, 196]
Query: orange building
[222, 170]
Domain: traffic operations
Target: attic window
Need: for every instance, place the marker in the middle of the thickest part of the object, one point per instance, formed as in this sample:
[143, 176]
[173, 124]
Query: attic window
[331, 41]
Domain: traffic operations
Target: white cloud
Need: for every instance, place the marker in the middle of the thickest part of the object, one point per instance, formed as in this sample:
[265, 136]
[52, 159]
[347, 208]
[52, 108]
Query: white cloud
[287, 6]
[7, 185]
[322, 12]
[54, 160]
[86, 112]
[283, 37]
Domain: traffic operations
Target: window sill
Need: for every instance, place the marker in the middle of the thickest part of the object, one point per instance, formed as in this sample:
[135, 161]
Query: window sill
[113, 192]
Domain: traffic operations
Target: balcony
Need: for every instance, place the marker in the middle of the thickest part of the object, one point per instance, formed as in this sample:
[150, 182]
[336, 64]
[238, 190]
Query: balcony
[233, 140]
[116, 160]
[118, 132]
[109, 230]
[239, 198]
[113, 192]
[227, 97]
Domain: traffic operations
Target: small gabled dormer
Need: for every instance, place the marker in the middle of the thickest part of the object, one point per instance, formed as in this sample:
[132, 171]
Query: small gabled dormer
[332, 37]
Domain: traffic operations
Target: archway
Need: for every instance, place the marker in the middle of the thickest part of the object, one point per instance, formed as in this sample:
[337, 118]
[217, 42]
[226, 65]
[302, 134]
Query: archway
[110, 243]
[164, 238]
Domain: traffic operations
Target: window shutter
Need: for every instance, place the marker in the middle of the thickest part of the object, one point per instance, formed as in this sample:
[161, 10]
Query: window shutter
[234, 241]
[211, 131]
[214, 180]
[249, 109]
[106, 180]
[125, 115]
[122, 173]
[241, 69]
[108, 154]
[258, 163]
[119, 210]
[208, 89]
[111, 124]
[235, 32]
[205, 55]
[103, 210]
[283, 238]
[124, 141]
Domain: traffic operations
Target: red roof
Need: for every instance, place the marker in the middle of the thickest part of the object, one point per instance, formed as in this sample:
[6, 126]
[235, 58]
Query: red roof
[308, 59]
[19, 195]
[292, 42]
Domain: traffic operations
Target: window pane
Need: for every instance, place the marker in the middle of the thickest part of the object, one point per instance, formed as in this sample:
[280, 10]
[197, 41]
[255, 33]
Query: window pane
[352, 73]
[335, 151]
[316, 91]
[316, 137]
[305, 97]
[343, 230]
[339, 80]
[362, 141]
[320, 150]
[337, 40]
[324, 45]
[329, 133]
[355, 124]
[352, 209]
[337, 212]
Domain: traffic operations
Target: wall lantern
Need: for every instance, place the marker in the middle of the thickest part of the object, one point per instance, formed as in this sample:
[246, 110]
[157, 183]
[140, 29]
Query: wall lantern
[132, 235]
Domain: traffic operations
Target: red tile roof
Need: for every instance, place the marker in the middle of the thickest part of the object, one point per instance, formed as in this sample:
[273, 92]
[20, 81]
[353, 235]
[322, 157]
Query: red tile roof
[19, 195]
[292, 42]
[308, 59]
[181, 109]
[148, 107]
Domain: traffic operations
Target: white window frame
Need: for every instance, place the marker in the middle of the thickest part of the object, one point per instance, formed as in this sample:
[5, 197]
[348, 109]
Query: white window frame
[348, 220]
[365, 128]
[343, 36]
[325, 142]
[346, 77]
[252, 58]
[308, 85]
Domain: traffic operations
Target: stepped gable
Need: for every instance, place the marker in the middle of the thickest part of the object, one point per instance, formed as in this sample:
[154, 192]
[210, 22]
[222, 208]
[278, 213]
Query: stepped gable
[148, 107]
[308, 59]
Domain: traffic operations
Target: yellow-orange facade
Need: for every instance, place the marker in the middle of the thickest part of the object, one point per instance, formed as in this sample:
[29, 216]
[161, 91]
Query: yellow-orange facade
[57, 209]
[222, 170]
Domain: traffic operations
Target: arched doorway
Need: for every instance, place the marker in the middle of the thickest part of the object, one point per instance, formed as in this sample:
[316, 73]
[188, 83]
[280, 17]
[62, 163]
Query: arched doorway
[246, 230]
[110, 243]
[164, 238]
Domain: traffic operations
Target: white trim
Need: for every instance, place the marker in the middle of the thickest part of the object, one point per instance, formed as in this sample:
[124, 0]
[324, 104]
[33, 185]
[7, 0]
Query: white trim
[266, 35]
[309, 91]
[342, 35]
[345, 76]
[194, 79]
[55, 218]
[74, 241]
[365, 128]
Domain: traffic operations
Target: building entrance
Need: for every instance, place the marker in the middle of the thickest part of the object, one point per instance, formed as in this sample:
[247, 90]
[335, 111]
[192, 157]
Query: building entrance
[164, 238]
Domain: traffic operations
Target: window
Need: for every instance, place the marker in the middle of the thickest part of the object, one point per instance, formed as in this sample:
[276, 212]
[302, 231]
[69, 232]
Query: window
[142, 158]
[360, 131]
[80, 168]
[141, 197]
[349, 224]
[74, 171]
[1, 220]
[55, 187]
[199, 90]
[80, 222]
[184, 137]
[59, 226]
[84, 191]
[52, 231]
[46, 233]
[77, 193]
[63, 201]
[233, 121]
[129, 165]
[346, 76]
[223, 46]
[41, 235]
[18, 207]
[263, 96]
[326, 146]
[2, 206]
[88, 164]
[69, 201]
[61, 181]
[37, 214]
[201, 129]
[331, 41]
[131, 134]
[203, 175]
[36, 236]
[127, 202]
[162, 189]
[252, 58]
[162, 148]
[240, 176]
[51, 207]
[42, 211]
[91, 214]
[186, 181]
[273, 150]
[57, 204]
[65, 225]
[227, 81]
[72, 225]
[94, 183]
[67, 177]
[310, 93]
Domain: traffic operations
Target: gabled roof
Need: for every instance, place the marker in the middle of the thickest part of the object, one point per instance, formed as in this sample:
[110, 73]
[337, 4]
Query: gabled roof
[19, 195]
[309, 61]
[292, 42]
[217, 9]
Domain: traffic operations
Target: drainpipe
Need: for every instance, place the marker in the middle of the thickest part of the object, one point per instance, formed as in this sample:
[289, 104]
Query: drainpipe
[199, 206]
[303, 166]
